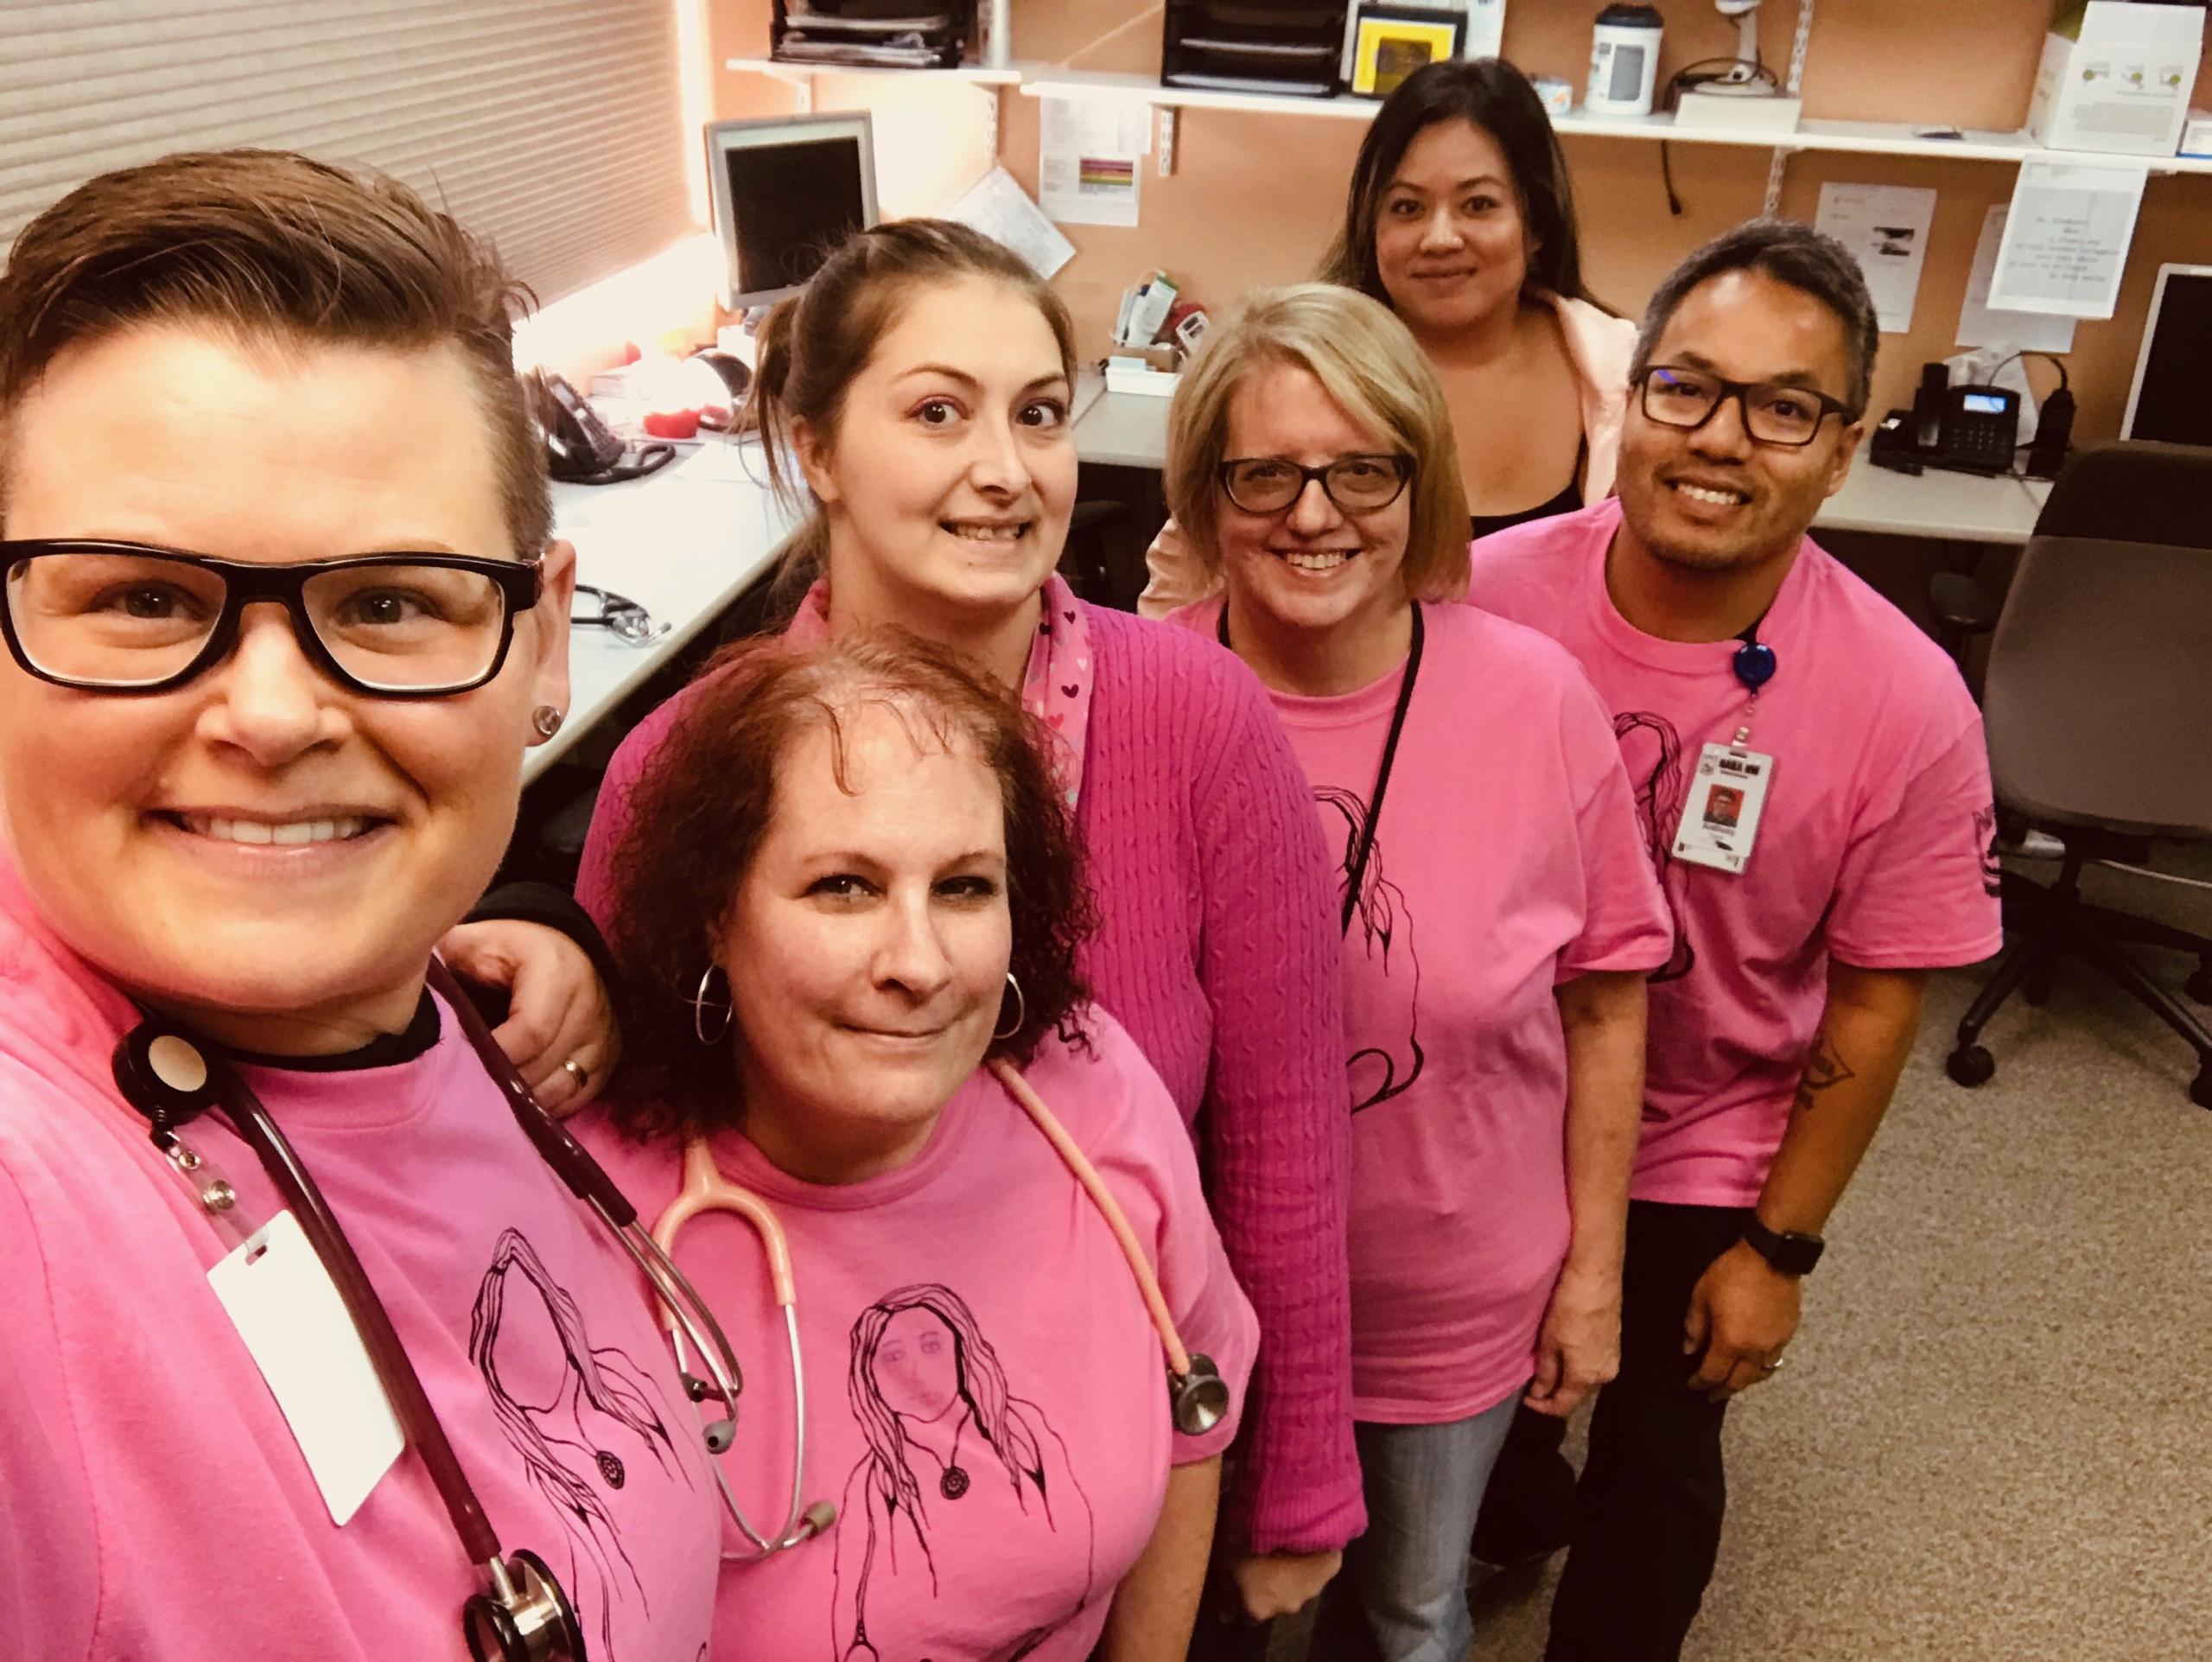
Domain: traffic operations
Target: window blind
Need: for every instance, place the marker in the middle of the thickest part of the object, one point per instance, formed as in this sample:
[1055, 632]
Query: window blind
[550, 126]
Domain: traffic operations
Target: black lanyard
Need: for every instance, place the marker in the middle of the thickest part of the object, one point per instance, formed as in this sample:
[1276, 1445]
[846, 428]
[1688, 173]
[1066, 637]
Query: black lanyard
[1382, 769]
[525, 1614]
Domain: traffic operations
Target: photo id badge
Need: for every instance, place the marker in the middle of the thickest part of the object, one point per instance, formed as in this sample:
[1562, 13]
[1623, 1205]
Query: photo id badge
[287, 1309]
[1720, 820]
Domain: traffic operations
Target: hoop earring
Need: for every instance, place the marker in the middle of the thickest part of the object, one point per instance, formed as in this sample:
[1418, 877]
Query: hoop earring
[547, 720]
[700, 1005]
[1020, 1010]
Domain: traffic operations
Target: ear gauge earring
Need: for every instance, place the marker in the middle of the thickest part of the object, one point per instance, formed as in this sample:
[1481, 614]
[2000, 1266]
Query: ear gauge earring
[547, 720]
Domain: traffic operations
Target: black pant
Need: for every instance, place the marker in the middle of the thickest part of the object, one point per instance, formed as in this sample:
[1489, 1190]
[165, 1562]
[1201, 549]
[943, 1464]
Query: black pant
[1649, 1506]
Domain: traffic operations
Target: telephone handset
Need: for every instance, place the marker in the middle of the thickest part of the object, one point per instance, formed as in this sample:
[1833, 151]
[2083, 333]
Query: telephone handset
[580, 448]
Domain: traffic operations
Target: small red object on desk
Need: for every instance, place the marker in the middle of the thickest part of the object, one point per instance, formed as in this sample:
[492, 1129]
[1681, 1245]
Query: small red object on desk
[672, 424]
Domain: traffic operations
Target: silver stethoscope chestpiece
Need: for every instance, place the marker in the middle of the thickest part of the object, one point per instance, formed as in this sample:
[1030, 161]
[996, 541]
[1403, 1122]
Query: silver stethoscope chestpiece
[1199, 1400]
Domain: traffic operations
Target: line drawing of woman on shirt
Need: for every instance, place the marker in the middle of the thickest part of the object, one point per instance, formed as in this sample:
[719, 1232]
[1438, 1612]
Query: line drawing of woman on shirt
[1385, 925]
[541, 1406]
[1656, 778]
[944, 1433]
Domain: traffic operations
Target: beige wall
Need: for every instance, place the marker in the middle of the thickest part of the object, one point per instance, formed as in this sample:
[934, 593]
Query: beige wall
[1256, 198]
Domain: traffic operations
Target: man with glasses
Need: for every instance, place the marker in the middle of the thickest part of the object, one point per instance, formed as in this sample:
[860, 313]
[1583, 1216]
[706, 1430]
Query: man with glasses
[1811, 777]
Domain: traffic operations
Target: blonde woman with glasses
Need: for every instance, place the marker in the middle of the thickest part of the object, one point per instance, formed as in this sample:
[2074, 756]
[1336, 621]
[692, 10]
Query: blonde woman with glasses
[1497, 911]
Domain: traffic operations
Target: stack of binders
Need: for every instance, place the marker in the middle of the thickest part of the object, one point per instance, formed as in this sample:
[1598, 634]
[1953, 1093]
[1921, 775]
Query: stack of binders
[1255, 46]
[874, 34]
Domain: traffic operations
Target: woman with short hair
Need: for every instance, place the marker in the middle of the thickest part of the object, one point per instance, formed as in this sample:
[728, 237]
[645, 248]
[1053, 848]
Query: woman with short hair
[1497, 910]
[282, 612]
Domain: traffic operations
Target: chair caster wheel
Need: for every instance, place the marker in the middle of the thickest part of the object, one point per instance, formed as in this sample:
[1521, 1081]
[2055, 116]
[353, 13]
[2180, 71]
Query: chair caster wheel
[1970, 1065]
[2200, 1088]
[2199, 986]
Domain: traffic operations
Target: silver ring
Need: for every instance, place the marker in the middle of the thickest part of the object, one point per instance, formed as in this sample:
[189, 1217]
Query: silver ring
[581, 1078]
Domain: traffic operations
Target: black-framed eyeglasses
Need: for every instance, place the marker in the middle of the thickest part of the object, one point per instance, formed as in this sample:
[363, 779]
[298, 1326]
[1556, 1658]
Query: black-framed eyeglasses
[1356, 484]
[1675, 395]
[619, 615]
[124, 617]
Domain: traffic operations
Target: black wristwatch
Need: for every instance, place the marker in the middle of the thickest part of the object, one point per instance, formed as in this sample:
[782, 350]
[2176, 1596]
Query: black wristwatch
[1786, 1253]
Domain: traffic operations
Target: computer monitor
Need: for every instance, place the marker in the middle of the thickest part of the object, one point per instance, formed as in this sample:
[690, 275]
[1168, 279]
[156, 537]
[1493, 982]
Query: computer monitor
[2172, 399]
[786, 192]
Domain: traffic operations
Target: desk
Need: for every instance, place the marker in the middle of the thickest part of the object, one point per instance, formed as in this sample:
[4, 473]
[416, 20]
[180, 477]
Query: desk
[1128, 429]
[1119, 429]
[1963, 508]
[683, 543]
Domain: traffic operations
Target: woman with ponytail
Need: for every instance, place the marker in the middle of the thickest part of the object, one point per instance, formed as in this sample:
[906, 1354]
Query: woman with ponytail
[916, 398]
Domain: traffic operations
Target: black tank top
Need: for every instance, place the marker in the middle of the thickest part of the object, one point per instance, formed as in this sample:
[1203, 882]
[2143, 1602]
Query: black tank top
[1568, 500]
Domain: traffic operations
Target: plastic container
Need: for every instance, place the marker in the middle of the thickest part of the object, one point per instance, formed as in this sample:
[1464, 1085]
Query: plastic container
[1624, 61]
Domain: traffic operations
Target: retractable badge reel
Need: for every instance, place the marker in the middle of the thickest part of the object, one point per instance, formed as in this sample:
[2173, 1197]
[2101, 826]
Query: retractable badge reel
[1721, 819]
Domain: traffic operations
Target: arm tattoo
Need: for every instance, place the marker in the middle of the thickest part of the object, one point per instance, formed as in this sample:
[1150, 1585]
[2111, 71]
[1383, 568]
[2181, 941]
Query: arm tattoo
[1824, 1068]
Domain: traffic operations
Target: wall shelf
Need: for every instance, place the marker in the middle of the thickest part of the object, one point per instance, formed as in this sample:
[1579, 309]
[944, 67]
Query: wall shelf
[968, 73]
[1857, 138]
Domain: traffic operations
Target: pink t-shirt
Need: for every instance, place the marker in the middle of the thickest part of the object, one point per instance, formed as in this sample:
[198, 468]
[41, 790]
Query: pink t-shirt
[152, 1501]
[986, 1405]
[1506, 860]
[1874, 845]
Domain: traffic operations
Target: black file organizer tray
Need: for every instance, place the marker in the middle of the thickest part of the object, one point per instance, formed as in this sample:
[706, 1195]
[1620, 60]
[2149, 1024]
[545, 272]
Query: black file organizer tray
[1294, 46]
[879, 33]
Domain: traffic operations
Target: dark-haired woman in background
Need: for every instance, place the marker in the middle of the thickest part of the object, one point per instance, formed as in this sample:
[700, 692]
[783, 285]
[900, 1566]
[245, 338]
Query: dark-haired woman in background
[1461, 220]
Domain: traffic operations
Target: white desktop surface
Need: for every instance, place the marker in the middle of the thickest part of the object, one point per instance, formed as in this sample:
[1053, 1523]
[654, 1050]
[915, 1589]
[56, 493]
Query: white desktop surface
[683, 543]
[1128, 430]
[1119, 429]
[1965, 507]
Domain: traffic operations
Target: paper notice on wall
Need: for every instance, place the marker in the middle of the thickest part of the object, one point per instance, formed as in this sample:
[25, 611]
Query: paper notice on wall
[1485, 28]
[1886, 227]
[997, 205]
[1981, 324]
[2066, 238]
[1088, 154]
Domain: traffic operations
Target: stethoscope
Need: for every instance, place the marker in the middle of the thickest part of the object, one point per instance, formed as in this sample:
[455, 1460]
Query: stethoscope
[1197, 1395]
[523, 1615]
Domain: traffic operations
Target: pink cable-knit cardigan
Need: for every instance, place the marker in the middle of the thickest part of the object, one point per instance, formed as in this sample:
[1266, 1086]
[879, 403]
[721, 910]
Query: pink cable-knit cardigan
[1217, 950]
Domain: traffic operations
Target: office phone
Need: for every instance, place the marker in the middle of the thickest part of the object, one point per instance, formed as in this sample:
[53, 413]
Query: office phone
[1966, 428]
[580, 447]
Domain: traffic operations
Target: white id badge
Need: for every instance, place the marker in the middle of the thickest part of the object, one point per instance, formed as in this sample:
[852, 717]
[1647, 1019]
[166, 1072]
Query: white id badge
[287, 1309]
[1720, 820]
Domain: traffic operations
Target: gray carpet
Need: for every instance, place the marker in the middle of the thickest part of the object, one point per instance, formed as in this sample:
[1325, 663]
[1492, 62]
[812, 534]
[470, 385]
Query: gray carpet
[1994, 1440]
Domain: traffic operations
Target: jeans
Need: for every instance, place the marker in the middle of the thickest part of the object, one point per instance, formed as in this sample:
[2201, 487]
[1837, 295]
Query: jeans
[1649, 1507]
[1408, 1571]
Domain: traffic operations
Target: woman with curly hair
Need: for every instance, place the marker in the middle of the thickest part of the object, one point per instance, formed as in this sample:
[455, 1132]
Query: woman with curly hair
[847, 909]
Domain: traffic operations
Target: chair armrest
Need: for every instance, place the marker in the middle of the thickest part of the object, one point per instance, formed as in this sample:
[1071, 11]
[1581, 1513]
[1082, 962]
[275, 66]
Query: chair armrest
[1958, 603]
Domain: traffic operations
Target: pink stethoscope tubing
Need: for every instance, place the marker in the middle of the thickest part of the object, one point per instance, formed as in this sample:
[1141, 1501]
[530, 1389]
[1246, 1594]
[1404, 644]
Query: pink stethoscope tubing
[1198, 1397]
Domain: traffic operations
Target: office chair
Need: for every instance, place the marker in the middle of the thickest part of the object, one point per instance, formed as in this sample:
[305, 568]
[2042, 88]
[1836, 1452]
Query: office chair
[2098, 703]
